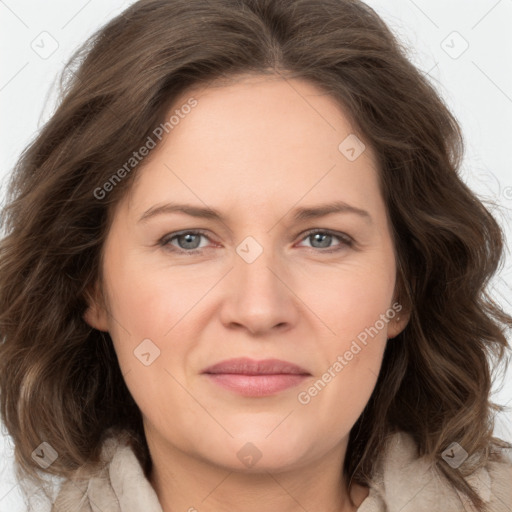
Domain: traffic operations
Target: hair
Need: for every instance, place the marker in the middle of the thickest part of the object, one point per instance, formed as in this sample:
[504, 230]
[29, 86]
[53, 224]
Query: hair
[60, 381]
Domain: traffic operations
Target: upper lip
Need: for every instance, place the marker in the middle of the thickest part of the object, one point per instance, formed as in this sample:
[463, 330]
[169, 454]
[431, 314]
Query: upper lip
[247, 366]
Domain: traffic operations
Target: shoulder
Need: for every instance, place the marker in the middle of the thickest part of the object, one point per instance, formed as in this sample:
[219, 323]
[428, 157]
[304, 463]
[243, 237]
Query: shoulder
[500, 483]
[117, 485]
[404, 482]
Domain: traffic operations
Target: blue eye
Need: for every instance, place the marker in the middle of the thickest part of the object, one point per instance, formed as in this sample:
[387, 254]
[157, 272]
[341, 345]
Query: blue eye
[326, 235]
[189, 241]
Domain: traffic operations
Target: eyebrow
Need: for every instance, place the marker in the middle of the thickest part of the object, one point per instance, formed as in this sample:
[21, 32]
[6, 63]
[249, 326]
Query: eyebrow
[299, 214]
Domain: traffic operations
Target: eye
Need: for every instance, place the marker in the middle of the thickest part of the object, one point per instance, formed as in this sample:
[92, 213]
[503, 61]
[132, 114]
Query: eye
[188, 242]
[324, 238]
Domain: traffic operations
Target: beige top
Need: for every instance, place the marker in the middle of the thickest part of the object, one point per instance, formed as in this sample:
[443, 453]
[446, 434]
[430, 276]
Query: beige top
[402, 483]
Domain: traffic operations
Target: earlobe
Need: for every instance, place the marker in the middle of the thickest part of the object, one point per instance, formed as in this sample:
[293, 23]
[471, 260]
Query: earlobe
[95, 315]
[397, 325]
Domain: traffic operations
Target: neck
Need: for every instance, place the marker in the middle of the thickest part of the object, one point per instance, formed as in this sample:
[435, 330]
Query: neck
[187, 483]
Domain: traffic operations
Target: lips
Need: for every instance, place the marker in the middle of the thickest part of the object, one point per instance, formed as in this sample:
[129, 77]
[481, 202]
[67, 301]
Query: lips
[246, 366]
[252, 378]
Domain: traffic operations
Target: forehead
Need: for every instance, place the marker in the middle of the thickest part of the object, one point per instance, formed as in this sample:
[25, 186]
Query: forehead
[263, 140]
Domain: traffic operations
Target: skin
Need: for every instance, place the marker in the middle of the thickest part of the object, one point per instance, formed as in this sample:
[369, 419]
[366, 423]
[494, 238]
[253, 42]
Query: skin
[255, 150]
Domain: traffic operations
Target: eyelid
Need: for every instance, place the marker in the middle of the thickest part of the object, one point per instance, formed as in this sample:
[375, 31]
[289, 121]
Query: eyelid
[346, 241]
[166, 239]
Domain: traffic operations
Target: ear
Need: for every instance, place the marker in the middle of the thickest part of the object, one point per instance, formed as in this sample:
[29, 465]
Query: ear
[398, 323]
[96, 313]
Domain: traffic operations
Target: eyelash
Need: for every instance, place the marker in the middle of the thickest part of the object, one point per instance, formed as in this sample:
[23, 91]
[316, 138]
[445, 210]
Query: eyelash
[346, 241]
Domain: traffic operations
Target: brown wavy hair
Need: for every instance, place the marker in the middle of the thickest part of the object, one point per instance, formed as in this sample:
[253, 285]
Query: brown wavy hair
[60, 381]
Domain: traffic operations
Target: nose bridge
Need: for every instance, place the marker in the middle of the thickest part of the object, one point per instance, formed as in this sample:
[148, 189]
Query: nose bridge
[256, 265]
[257, 296]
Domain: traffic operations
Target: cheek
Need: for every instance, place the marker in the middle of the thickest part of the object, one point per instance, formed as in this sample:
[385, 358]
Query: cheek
[151, 301]
[146, 307]
[355, 307]
[353, 300]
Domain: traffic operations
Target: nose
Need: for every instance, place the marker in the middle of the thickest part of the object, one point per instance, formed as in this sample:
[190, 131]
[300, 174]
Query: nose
[259, 296]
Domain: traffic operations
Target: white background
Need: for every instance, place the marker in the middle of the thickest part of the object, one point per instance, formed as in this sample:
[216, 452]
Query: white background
[476, 84]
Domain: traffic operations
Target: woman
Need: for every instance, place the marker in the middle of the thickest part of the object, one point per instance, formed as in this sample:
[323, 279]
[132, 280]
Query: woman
[241, 270]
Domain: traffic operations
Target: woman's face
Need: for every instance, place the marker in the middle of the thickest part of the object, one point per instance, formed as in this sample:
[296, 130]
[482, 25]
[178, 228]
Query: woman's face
[255, 283]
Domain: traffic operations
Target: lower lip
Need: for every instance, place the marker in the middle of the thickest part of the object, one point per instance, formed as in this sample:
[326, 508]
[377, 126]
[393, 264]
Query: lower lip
[256, 385]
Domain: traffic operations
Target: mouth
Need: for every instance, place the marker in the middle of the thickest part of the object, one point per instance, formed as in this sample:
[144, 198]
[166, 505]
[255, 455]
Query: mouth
[248, 377]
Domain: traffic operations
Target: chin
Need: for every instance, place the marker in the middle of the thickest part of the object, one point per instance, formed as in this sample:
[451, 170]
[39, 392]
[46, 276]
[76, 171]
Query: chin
[251, 455]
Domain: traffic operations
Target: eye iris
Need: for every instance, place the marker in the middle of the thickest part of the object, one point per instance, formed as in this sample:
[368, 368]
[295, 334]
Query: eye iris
[324, 237]
[188, 237]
